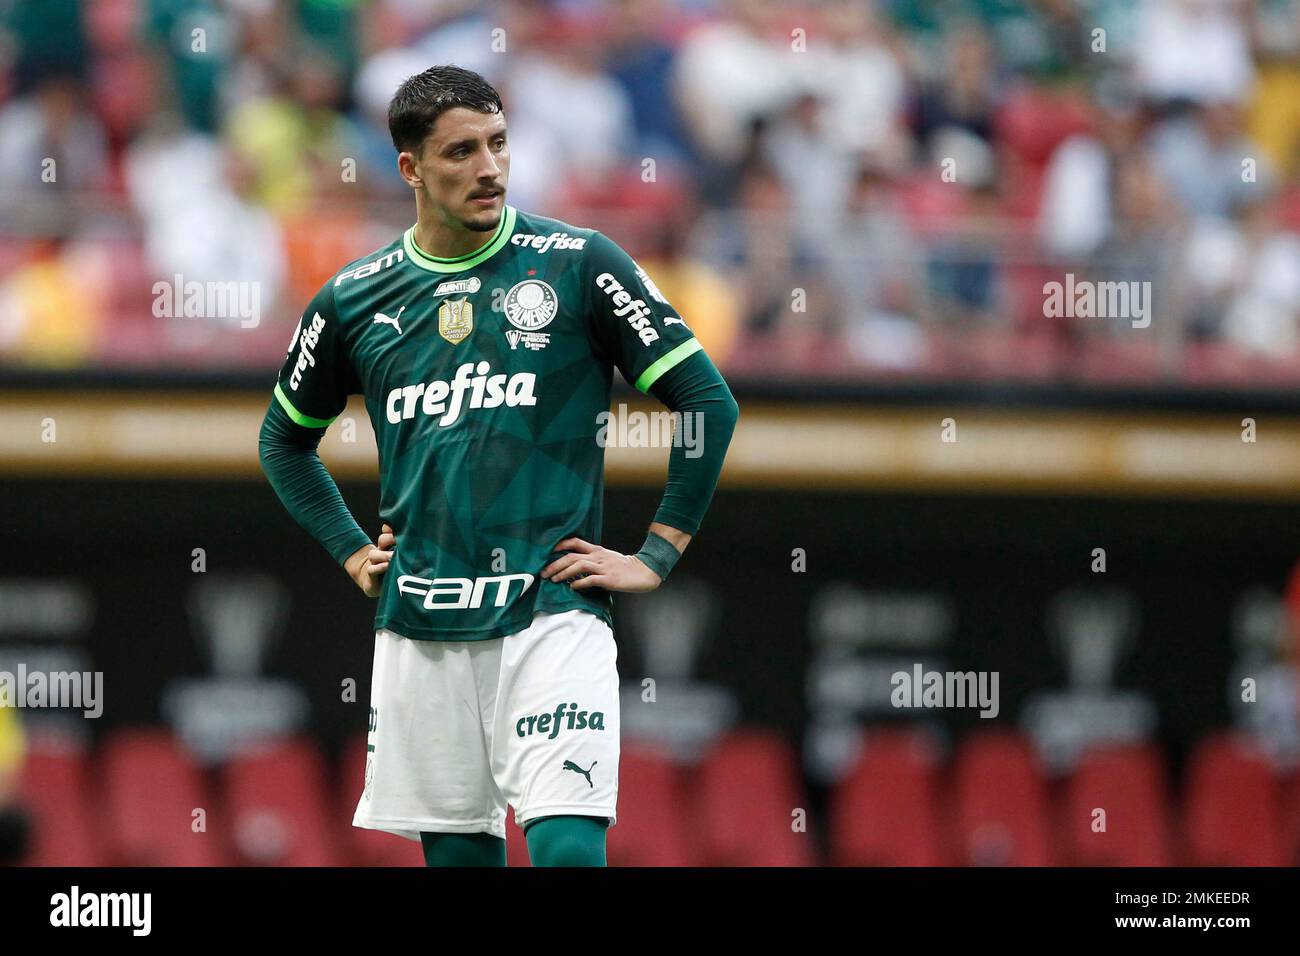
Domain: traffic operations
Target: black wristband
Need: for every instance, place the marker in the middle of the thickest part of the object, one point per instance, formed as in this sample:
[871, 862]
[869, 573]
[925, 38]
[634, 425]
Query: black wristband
[658, 555]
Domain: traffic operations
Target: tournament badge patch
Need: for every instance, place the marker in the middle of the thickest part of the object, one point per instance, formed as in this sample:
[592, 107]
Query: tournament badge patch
[455, 320]
[530, 306]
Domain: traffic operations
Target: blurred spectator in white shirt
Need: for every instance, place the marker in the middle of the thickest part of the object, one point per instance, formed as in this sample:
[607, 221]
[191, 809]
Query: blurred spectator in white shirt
[1195, 50]
[1076, 212]
[814, 170]
[875, 270]
[558, 92]
[1243, 276]
[190, 193]
[730, 73]
[1201, 156]
[860, 79]
[53, 122]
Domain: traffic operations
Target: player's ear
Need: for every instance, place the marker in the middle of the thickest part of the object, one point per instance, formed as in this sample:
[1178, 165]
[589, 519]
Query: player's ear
[406, 167]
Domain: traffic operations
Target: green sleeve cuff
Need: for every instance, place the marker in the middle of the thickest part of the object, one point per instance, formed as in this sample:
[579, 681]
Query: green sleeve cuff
[658, 555]
[306, 421]
[666, 362]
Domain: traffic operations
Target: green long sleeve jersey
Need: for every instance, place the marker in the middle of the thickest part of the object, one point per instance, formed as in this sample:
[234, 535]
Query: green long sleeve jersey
[484, 377]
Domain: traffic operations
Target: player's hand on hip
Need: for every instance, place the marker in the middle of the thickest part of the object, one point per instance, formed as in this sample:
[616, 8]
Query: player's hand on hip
[367, 565]
[591, 566]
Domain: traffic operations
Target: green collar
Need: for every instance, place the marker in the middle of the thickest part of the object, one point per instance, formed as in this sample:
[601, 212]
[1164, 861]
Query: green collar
[460, 263]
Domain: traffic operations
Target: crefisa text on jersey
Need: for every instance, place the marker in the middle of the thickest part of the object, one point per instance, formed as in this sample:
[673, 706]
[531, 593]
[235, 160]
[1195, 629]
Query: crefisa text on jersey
[556, 240]
[485, 392]
[307, 338]
[634, 310]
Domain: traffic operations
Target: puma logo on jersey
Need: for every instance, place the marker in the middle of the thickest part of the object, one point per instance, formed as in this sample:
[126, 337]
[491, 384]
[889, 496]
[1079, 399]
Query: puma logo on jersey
[570, 765]
[390, 319]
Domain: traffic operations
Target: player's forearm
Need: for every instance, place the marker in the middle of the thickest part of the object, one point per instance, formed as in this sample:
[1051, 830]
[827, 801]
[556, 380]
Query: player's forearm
[695, 389]
[289, 460]
[675, 536]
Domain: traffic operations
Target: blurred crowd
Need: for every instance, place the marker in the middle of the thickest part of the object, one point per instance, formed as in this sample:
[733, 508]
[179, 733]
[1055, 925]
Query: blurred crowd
[850, 188]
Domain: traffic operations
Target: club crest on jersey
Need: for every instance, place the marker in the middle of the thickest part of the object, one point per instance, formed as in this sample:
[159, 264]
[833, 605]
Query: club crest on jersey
[456, 320]
[458, 286]
[531, 305]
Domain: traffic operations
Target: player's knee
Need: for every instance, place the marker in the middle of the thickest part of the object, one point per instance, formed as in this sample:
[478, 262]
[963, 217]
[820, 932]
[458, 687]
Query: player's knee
[567, 841]
[463, 849]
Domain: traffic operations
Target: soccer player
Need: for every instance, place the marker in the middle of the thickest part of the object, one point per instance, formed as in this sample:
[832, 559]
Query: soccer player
[484, 341]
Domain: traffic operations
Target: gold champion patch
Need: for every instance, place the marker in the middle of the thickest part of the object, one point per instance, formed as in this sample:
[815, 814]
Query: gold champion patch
[455, 320]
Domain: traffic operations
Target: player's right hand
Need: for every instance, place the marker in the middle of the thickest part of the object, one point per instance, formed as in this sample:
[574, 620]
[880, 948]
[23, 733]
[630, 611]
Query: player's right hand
[368, 564]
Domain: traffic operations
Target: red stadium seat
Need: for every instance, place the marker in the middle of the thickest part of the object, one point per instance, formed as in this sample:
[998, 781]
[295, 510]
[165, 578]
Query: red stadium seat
[749, 788]
[367, 847]
[55, 793]
[1033, 122]
[1103, 360]
[886, 812]
[650, 829]
[276, 806]
[1001, 802]
[1291, 820]
[1233, 811]
[151, 790]
[1129, 783]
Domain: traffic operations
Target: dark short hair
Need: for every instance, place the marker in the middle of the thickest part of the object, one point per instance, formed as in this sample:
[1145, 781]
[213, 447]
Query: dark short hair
[420, 100]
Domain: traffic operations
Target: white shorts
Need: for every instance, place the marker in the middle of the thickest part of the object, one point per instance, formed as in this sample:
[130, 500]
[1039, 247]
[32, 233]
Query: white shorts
[458, 729]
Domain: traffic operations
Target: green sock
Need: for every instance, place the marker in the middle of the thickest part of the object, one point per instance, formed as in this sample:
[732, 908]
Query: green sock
[463, 849]
[566, 841]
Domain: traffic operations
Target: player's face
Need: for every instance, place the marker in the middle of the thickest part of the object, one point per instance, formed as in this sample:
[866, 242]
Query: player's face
[464, 165]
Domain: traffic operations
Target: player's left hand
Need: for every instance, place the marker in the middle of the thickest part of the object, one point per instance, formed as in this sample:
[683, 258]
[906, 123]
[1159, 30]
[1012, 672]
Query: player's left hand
[591, 566]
